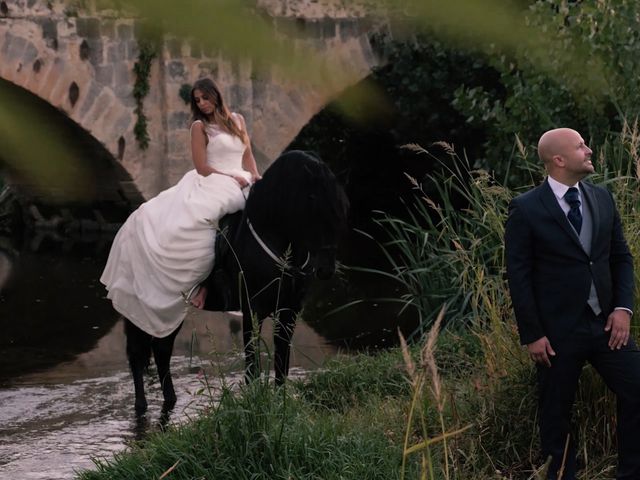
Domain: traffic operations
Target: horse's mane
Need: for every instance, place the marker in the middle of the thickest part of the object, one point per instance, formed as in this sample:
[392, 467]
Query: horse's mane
[299, 197]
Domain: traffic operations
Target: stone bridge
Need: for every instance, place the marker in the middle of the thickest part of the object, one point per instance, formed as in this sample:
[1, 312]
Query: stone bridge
[81, 62]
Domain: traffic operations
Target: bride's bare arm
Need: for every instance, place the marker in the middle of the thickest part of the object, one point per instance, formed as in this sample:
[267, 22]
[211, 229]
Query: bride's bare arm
[199, 149]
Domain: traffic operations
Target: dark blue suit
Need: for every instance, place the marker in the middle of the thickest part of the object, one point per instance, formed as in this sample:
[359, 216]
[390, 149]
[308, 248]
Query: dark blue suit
[550, 276]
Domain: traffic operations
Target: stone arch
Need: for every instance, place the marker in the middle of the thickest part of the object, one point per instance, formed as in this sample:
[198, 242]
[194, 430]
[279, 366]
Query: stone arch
[110, 185]
[52, 56]
[95, 107]
[282, 110]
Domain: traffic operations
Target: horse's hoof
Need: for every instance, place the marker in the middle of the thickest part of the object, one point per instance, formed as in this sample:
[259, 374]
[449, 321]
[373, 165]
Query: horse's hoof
[164, 420]
[168, 405]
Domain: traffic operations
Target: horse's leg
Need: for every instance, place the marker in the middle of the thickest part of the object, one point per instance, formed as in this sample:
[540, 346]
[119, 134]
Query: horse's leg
[162, 350]
[138, 353]
[282, 333]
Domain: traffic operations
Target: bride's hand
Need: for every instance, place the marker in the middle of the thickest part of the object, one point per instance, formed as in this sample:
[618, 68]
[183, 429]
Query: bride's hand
[255, 177]
[241, 180]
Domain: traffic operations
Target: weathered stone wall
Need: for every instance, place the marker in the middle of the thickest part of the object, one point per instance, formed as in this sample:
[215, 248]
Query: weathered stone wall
[82, 63]
[84, 67]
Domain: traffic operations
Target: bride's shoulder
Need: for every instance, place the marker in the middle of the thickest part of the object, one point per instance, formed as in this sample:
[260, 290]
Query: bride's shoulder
[239, 119]
[198, 129]
[198, 125]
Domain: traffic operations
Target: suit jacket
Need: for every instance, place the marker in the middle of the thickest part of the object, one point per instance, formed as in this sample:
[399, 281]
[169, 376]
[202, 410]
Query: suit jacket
[549, 272]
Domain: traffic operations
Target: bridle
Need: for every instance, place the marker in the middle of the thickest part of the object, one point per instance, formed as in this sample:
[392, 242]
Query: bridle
[305, 269]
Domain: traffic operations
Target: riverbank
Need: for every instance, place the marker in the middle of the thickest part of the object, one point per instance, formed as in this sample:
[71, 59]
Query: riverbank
[460, 407]
[344, 422]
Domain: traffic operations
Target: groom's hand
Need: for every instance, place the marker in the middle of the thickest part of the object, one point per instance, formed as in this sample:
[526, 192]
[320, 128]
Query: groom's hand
[540, 351]
[619, 323]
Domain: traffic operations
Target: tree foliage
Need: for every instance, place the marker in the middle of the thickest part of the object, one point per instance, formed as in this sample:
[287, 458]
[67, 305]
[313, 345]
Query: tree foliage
[532, 100]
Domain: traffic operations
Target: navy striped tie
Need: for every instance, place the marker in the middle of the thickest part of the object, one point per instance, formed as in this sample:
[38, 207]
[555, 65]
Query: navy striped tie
[574, 215]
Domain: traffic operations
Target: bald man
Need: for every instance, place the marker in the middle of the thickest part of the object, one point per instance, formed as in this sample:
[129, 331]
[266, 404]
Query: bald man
[571, 283]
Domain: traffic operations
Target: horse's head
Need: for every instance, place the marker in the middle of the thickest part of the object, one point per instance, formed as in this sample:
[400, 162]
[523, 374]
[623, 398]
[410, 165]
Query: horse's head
[300, 199]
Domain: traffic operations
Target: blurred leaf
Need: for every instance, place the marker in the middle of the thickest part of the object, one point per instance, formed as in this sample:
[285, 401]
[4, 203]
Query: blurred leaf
[497, 24]
[238, 31]
[365, 103]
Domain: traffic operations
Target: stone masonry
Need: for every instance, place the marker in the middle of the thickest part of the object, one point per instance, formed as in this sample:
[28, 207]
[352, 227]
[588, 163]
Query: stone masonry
[82, 63]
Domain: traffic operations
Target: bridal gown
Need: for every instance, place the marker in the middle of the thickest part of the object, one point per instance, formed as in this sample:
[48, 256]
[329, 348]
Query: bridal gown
[166, 246]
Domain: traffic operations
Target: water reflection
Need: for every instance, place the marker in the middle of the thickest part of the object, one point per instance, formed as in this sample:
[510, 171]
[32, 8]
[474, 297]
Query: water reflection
[51, 305]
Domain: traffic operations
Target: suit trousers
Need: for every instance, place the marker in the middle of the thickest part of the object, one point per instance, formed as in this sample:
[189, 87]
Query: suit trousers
[620, 370]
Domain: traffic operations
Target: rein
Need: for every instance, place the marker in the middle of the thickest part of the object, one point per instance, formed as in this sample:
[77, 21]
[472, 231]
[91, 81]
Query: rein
[290, 269]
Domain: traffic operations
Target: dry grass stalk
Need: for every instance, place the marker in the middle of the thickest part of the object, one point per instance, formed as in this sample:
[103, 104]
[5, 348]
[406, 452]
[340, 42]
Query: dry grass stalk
[413, 147]
[434, 440]
[521, 148]
[428, 368]
[447, 147]
[171, 469]
[406, 355]
[631, 138]
[429, 361]
[412, 180]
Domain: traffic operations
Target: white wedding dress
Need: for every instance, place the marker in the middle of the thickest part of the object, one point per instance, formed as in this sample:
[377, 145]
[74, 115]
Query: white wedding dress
[166, 246]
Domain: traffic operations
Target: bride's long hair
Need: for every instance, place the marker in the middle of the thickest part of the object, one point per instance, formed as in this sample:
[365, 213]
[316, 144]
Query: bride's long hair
[221, 114]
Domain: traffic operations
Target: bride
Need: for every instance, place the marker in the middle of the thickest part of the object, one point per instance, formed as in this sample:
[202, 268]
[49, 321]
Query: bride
[165, 248]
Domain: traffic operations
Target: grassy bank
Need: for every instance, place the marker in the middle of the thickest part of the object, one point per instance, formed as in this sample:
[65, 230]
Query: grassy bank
[343, 423]
[379, 416]
[351, 421]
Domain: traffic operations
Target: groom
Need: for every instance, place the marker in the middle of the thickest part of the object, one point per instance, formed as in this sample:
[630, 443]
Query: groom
[571, 282]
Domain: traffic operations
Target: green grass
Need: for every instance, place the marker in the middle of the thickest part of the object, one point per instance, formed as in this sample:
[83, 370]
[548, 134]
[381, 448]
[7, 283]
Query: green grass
[349, 421]
[263, 432]
[353, 382]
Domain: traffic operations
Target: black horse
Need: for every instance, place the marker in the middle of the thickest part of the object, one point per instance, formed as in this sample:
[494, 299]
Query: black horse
[266, 257]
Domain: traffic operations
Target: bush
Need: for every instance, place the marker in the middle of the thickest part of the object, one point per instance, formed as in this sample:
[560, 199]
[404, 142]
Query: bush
[596, 97]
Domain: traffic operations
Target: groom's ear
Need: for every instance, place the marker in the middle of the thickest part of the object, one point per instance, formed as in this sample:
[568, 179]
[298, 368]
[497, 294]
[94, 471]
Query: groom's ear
[558, 161]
